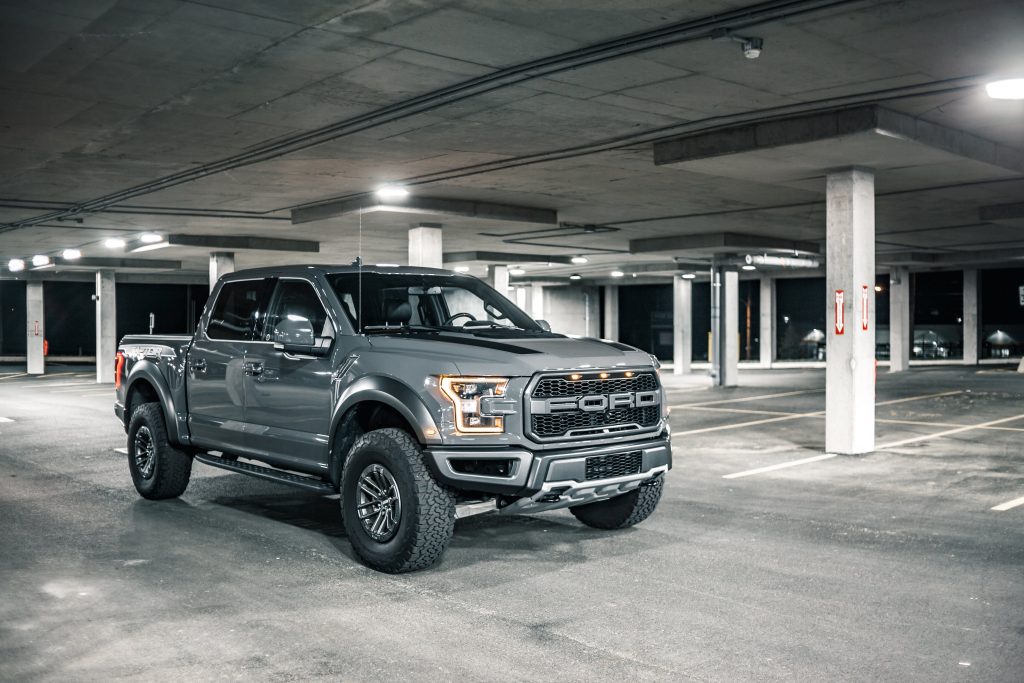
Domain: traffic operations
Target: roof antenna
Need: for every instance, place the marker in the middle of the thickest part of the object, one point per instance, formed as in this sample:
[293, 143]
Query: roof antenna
[358, 263]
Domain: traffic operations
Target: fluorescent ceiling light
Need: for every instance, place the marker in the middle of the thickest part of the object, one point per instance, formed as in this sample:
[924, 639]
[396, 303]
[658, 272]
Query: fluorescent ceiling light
[747, 266]
[580, 260]
[461, 269]
[150, 247]
[516, 271]
[689, 276]
[575, 276]
[1008, 89]
[71, 254]
[386, 265]
[114, 243]
[40, 260]
[618, 273]
[15, 265]
[150, 238]
[391, 193]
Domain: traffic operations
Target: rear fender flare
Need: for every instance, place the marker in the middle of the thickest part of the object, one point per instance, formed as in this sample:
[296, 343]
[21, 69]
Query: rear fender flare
[146, 371]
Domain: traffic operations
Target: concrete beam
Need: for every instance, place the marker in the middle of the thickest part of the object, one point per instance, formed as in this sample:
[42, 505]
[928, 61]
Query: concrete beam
[106, 325]
[1002, 212]
[91, 262]
[428, 205]
[502, 257]
[719, 242]
[953, 258]
[835, 124]
[233, 242]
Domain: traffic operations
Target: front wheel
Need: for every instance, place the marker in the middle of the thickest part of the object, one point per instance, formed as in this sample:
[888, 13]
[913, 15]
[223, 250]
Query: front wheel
[397, 517]
[159, 470]
[622, 511]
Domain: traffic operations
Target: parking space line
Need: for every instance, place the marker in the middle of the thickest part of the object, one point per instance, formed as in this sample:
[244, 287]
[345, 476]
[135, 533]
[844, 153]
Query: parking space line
[744, 411]
[940, 424]
[749, 423]
[919, 398]
[14, 375]
[780, 466]
[122, 451]
[6, 419]
[749, 398]
[948, 432]
[1010, 504]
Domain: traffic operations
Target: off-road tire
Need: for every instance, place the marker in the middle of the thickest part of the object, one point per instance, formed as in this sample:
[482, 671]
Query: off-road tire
[427, 519]
[168, 474]
[622, 511]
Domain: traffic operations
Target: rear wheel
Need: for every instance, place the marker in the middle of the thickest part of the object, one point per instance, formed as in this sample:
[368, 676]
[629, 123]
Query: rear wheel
[397, 517]
[158, 469]
[622, 511]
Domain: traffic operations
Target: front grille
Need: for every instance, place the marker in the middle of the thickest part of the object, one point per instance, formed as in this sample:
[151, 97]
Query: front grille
[617, 465]
[564, 424]
[557, 387]
[559, 424]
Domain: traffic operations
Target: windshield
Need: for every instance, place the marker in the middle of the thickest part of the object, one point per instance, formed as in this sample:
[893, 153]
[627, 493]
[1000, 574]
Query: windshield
[447, 301]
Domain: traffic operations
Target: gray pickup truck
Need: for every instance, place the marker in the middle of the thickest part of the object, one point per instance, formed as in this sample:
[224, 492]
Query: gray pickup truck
[418, 395]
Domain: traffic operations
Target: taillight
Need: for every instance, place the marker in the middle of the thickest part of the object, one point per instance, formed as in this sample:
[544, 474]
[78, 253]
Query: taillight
[118, 369]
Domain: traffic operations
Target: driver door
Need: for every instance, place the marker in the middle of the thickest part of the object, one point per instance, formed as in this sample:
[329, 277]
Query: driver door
[288, 396]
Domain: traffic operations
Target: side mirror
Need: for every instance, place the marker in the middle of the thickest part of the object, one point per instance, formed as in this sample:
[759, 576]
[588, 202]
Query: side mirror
[544, 325]
[295, 334]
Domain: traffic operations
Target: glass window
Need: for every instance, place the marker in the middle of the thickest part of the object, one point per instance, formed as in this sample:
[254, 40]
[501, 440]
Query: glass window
[234, 314]
[297, 298]
[454, 301]
[937, 314]
[800, 318]
[1002, 312]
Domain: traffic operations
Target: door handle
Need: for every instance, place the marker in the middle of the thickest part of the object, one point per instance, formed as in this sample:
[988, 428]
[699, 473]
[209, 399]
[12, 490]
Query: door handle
[199, 365]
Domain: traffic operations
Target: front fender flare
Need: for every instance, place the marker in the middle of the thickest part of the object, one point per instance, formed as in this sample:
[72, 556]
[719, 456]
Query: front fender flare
[395, 394]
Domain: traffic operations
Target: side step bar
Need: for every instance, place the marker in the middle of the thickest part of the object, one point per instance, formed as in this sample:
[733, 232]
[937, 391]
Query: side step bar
[309, 483]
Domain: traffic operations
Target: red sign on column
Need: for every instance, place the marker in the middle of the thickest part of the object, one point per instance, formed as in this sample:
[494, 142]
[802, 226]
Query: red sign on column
[840, 315]
[864, 299]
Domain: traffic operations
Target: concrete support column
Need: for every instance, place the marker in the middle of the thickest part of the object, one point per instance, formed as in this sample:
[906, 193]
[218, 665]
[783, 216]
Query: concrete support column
[106, 325]
[971, 316]
[537, 302]
[498, 277]
[611, 313]
[682, 325]
[35, 332]
[766, 332]
[850, 279]
[221, 263]
[725, 331]
[425, 246]
[899, 320]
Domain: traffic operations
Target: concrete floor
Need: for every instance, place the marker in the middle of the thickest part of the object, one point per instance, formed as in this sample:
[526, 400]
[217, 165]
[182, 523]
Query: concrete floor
[891, 566]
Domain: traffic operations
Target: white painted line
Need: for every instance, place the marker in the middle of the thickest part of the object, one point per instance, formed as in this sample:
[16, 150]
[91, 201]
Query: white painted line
[1010, 504]
[12, 376]
[99, 393]
[750, 398]
[69, 384]
[749, 423]
[948, 432]
[919, 398]
[780, 466]
[947, 426]
[744, 411]
[122, 451]
[6, 419]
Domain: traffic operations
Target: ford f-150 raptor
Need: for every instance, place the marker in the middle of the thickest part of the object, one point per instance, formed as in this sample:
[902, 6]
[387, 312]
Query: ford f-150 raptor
[418, 395]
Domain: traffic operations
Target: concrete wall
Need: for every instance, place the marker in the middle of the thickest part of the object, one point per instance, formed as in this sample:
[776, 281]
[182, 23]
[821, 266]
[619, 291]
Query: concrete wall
[573, 310]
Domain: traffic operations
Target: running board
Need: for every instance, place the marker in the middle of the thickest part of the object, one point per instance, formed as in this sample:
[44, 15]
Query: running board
[267, 473]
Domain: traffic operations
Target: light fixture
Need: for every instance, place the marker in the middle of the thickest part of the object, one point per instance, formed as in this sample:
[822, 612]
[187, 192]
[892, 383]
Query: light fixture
[689, 276]
[71, 254]
[580, 260]
[114, 243]
[40, 260]
[150, 247]
[391, 193]
[1007, 89]
[575, 276]
[752, 47]
[150, 238]
[878, 288]
[516, 271]
[16, 265]
[461, 269]
[747, 266]
[386, 265]
[618, 273]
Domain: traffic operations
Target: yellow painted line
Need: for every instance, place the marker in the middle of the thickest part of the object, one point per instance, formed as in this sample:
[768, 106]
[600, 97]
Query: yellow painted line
[948, 432]
[749, 398]
[780, 466]
[1010, 504]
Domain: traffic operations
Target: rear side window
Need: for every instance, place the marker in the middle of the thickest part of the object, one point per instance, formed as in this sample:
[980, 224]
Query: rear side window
[234, 314]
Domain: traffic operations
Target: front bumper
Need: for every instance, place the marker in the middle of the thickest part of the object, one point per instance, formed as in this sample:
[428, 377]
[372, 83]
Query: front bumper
[548, 480]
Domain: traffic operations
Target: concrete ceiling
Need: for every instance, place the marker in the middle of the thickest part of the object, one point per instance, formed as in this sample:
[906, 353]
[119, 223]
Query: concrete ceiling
[244, 111]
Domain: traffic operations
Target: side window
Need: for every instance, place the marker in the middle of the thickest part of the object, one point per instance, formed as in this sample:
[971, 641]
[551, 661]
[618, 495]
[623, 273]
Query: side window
[234, 313]
[296, 298]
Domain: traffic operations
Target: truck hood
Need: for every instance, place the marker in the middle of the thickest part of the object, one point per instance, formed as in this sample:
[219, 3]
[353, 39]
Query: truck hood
[512, 356]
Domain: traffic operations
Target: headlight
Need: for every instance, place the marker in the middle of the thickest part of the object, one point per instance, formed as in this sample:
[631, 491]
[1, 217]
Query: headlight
[466, 393]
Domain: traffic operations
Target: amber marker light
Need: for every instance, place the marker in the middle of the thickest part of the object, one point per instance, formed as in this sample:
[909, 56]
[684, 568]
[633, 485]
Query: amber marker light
[575, 378]
[603, 375]
[629, 373]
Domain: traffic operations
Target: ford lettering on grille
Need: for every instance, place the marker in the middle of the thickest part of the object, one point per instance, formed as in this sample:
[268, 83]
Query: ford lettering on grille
[587, 405]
